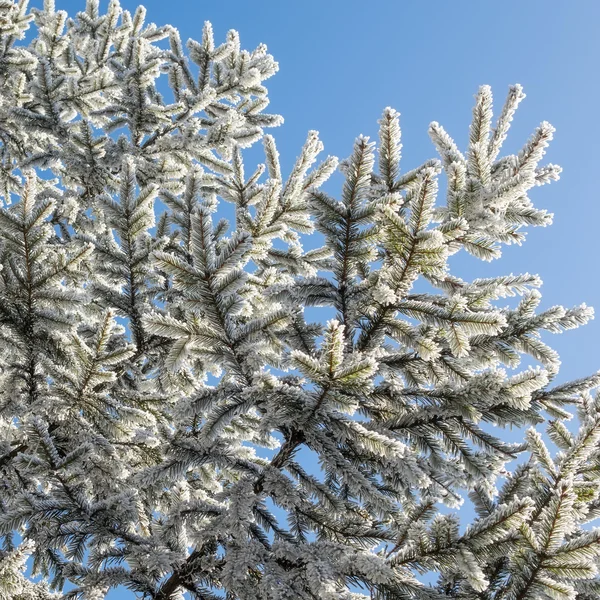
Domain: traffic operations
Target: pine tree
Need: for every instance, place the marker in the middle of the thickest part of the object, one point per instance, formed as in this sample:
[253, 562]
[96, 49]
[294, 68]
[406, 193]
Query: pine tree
[162, 386]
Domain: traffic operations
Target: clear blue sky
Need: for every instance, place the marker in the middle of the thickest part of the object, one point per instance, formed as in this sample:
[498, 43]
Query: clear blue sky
[343, 61]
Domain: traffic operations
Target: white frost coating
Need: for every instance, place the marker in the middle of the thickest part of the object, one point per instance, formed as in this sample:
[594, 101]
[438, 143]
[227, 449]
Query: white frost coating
[163, 379]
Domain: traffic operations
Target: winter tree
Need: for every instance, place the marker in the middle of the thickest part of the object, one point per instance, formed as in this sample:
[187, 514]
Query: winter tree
[161, 384]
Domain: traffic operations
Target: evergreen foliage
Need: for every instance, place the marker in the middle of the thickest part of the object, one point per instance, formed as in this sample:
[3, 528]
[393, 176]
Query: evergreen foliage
[161, 385]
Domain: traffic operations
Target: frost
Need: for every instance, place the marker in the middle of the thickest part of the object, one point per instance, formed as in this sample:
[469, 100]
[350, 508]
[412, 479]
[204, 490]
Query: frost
[165, 377]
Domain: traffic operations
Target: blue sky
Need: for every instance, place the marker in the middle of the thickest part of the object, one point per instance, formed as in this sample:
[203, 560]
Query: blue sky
[343, 61]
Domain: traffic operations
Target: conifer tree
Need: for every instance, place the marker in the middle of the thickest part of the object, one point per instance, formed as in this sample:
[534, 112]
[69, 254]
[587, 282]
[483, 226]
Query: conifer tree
[162, 386]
